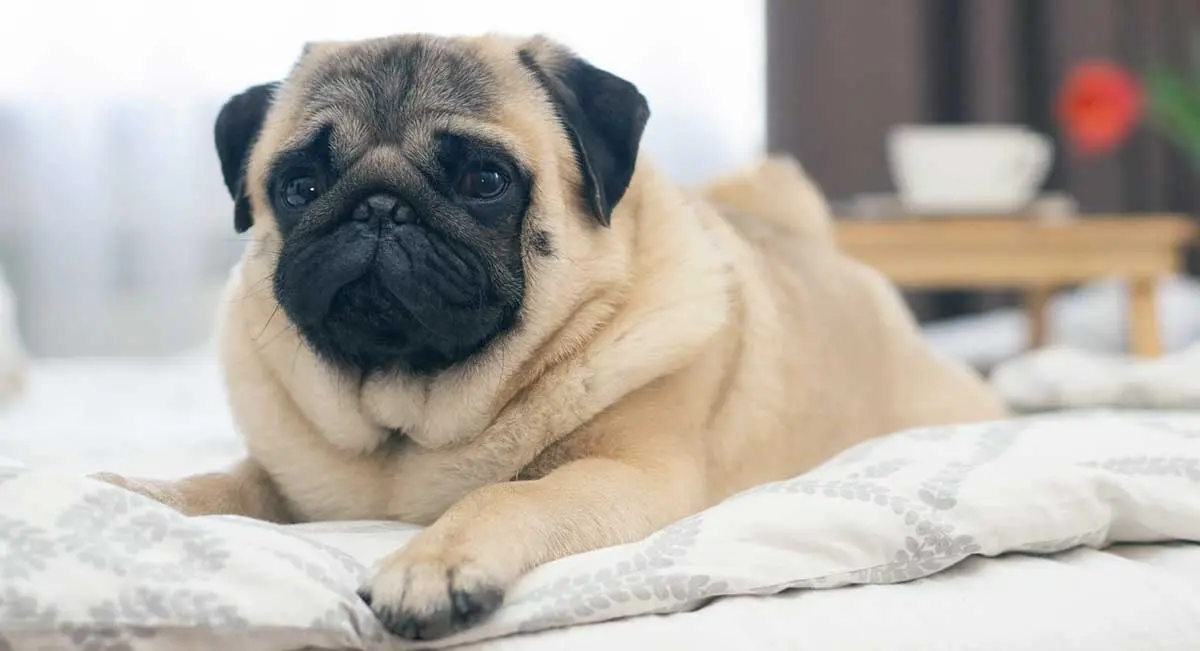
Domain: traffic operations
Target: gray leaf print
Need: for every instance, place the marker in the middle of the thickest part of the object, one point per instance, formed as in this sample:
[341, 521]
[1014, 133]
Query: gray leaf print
[585, 594]
[111, 529]
[24, 549]
[916, 486]
[90, 637]
[178, 606]
[345, 560]
[883, 469]
[317, 572]
[1182, 467]
[24, 609]
[361, 618]
[8, 472]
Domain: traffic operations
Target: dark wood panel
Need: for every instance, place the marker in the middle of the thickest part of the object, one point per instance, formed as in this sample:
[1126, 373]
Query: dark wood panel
[1146, 39]
[994, 90]
[1086, 29]
[840, 73]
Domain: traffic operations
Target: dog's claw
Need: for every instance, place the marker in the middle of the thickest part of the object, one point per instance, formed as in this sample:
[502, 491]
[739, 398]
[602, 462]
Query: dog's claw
[430, 604]
[365, 595]
[409, 630]
[471, 607]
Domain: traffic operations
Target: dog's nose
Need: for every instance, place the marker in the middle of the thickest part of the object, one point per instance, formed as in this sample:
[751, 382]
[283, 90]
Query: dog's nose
[382, 206]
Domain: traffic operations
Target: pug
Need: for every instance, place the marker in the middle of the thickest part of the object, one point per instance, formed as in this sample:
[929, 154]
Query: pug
[469, 301]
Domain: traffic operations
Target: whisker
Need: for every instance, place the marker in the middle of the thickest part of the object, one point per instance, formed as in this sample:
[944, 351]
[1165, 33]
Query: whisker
[255, 291]
[272, 340]
[268, 323]
[295, 356]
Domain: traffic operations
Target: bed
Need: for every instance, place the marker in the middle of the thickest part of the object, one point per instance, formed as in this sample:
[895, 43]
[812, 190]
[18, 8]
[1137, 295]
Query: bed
[1068, 530]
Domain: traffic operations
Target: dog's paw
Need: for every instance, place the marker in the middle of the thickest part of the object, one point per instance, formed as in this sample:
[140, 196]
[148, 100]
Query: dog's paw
[429, 596]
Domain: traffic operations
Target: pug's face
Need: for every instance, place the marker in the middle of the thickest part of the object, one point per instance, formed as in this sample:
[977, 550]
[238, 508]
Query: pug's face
[398, 178]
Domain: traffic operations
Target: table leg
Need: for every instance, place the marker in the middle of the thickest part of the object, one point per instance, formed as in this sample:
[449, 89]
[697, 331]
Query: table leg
[1145, 339]
[1037, 311]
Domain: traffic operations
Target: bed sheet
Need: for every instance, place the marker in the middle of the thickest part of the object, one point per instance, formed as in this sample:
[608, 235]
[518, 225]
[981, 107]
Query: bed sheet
[168, 417]
[1126, 598]
[150, 417]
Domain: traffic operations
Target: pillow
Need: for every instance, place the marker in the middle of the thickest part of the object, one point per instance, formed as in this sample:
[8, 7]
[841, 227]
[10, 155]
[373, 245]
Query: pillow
[1061, 377]
[86, 565]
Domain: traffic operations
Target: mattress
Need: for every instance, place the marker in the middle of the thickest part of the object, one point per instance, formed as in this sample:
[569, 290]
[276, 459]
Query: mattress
[167, 417]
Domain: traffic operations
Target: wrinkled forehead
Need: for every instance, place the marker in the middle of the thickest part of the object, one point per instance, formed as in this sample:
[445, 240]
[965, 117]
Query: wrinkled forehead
[394, 90]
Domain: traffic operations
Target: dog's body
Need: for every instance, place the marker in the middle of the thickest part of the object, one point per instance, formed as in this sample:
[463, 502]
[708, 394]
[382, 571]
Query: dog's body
[669, 348]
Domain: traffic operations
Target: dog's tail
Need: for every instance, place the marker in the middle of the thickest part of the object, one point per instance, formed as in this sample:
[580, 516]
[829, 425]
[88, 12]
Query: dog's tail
[777, 190]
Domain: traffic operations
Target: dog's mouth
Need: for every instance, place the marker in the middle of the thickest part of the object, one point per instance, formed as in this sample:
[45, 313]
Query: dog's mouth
[421, 267]
[397, 298]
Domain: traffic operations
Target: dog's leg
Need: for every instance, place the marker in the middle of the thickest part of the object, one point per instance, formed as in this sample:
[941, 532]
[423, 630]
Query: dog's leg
[245, 489]
[456, 571]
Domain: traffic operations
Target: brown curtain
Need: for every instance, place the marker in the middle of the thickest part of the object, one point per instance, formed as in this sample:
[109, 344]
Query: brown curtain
[841, 72]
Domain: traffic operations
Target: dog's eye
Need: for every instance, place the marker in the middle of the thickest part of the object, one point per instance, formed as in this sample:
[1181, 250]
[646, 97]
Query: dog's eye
[482, 183]
[300, 191]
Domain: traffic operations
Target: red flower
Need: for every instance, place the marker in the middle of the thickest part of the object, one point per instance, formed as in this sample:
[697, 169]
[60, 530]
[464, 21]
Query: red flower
[1098, 106]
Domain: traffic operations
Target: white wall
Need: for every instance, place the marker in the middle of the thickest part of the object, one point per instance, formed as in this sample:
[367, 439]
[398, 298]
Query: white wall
[113, 222]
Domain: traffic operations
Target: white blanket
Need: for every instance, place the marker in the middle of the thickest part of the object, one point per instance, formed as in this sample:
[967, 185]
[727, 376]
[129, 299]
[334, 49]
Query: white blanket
[1062, 377]
[84, 558]
[1125, 598]
[149, 417]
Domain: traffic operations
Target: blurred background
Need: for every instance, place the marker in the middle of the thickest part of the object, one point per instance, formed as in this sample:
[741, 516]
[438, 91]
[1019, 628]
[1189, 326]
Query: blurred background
[843, 72]
[116, 233]
[115, 230]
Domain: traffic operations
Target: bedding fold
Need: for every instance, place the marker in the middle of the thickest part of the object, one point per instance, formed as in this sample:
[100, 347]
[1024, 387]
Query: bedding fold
[80, 559]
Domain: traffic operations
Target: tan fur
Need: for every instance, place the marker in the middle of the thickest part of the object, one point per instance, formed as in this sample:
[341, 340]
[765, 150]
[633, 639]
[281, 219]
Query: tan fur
[662, 364]
[778, 190]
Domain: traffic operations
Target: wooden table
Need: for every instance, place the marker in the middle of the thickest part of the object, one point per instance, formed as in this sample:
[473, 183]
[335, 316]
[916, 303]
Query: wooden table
[1037, 256]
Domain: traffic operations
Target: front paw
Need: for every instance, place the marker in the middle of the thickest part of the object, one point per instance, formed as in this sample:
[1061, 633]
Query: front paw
[425, 596]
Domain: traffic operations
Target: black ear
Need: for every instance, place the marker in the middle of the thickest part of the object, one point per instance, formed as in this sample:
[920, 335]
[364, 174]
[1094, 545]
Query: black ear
[235, 131]
[604, 115]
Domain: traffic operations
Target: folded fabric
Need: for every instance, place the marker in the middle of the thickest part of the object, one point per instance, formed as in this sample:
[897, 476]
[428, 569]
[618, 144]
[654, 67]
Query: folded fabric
[85, 565]
[1071, 378]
